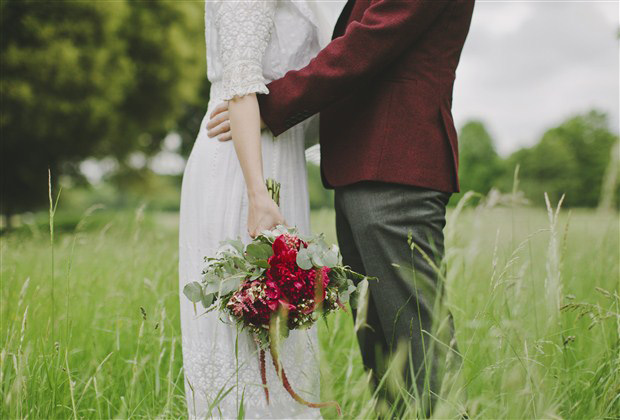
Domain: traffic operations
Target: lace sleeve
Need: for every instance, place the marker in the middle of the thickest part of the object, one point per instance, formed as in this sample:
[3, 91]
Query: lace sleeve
[244, 29]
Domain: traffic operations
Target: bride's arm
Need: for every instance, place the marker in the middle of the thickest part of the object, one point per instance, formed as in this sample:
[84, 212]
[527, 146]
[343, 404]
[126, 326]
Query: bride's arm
[244, 29]
[263, 213]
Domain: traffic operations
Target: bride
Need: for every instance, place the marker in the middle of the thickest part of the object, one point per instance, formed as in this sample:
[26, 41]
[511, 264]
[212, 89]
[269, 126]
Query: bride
[224, 196]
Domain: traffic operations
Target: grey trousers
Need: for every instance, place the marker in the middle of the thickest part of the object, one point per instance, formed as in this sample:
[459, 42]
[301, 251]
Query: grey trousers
[374, 222]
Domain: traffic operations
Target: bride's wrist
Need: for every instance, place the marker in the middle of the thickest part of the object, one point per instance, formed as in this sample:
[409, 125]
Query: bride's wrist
[258, 192]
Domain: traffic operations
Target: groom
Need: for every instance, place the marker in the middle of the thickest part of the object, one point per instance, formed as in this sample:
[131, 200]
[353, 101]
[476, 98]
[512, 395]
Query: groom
[383, 88]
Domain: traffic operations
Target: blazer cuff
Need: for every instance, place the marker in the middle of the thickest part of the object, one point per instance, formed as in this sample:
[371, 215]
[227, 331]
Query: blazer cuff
[269, 115]
[277, 119]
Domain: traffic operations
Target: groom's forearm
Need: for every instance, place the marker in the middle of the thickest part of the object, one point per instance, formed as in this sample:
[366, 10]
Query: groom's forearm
[386, 29]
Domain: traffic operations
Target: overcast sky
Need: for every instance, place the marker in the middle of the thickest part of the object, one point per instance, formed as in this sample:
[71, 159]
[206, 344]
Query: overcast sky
[528, 65]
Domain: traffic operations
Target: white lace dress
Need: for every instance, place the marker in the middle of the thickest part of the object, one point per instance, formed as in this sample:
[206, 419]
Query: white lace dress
[248, 44]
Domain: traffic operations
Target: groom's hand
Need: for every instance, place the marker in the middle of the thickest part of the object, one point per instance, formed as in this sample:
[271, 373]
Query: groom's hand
[219, 123]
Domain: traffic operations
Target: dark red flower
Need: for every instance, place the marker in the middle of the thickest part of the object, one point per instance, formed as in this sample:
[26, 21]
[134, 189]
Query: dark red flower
[252, 304]
[285, 285]
[286, 242]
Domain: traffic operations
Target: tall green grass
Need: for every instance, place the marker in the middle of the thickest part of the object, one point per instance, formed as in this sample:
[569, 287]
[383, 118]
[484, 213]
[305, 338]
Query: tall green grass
[90, 323]
[536, 305]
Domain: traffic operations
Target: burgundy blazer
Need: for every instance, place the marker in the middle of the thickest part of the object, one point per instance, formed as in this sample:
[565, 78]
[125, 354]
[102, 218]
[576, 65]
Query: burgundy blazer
[383, 88]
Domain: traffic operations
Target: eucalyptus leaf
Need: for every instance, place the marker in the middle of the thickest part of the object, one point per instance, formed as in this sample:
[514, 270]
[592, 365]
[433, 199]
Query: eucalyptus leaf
[322, 244]
[237, 260]
[193, 291]
[231, 284]
[259, 251]
[303, 259]
[229, 267]
[207, 300]
[313, 248]
[330, 259]
[236, 244]
[281, 230]
[344, 296]
[262, 263]
[334, 248]
[262, 239]
[268, 235]
[210, 277]
[212, 287]
[360, 292]
[305, 238]
[317, 259]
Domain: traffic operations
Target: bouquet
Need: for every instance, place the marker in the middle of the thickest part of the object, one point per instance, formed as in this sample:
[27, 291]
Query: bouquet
[280, 281]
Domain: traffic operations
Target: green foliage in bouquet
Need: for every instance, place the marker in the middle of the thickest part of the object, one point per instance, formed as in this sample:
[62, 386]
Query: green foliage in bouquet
[235, 265]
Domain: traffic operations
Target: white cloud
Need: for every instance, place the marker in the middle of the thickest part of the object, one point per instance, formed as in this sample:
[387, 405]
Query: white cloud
[527, 66]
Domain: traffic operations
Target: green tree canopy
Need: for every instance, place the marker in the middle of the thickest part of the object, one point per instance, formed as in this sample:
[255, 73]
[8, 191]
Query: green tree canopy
[84, 79]
[570, 159]
[479, 164]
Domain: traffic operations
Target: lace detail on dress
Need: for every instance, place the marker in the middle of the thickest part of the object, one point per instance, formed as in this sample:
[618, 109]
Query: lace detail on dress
[212, 368]
[242, 79]
[244, 30]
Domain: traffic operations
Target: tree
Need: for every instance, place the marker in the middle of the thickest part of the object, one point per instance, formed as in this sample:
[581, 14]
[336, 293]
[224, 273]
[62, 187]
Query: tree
[479, 164]
[86, 79]
[549, 167]
[570, 159]
[610, 187]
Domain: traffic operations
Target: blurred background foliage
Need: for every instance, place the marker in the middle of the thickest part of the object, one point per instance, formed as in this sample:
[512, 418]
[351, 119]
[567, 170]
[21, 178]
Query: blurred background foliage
[82, 79]
[110, 100]
[578, 158]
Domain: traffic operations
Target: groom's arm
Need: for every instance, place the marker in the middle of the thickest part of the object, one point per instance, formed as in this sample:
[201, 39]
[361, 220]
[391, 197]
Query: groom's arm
[386, 29]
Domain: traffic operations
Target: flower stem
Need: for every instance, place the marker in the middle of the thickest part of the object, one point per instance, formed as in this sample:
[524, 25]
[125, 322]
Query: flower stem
[273, 187]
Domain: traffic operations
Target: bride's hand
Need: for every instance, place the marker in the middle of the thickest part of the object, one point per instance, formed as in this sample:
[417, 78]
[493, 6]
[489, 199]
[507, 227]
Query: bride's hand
[263, 214]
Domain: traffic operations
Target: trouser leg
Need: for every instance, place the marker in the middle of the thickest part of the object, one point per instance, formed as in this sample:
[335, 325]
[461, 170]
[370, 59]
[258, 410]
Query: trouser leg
[371, 340]
[375, 222]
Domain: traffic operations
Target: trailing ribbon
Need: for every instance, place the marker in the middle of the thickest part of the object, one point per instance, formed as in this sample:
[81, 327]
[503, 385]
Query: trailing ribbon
[263, 373]
[282, 375]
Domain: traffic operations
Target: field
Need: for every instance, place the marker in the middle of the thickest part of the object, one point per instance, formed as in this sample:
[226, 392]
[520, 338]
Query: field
[90, 318]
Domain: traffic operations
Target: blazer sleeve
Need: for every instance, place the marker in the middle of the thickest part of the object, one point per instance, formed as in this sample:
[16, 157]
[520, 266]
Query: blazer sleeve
[387, 28]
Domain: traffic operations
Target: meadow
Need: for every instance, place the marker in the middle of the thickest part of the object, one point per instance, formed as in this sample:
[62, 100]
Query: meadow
[90, 324]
